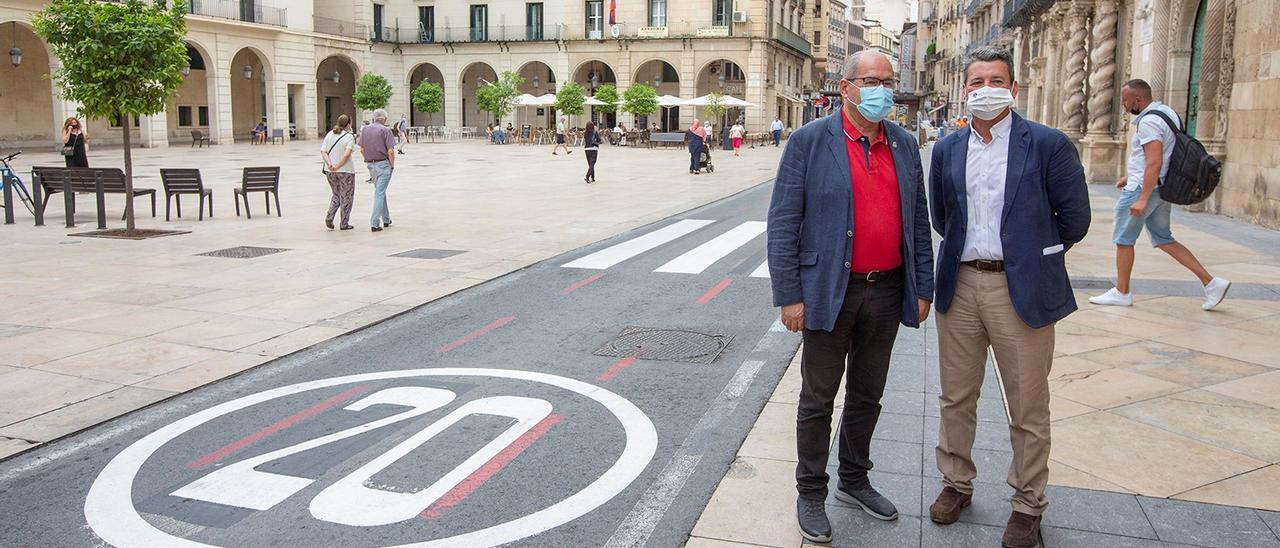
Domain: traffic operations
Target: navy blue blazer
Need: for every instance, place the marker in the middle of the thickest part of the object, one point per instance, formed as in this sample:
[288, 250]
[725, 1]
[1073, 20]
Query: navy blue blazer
[811, 223]
[1046, 211]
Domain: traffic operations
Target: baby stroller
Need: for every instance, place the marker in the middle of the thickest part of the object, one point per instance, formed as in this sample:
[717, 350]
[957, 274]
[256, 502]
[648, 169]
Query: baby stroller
[704, 159]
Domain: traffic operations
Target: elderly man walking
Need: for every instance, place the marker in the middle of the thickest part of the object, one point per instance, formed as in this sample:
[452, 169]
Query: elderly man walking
[1009, 198]
[378, 146]
[850, 258]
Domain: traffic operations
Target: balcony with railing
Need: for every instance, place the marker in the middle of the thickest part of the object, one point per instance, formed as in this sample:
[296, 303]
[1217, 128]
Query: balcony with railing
[790, 39]
[240, 10]
[337, 27]
[492, 33]
[1020, 13]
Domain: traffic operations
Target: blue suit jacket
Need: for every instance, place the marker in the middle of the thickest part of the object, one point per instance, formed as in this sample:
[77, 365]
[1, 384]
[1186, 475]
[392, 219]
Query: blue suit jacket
[1046, 211]
[811, 223]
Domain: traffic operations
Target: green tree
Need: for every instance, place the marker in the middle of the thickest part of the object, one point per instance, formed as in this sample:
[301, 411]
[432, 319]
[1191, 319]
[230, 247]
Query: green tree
[715, 106]
[607, 94]
[119, 60]
[429, 98]
[640, 99]
[499, 98]
[569, 99]
[373, 92]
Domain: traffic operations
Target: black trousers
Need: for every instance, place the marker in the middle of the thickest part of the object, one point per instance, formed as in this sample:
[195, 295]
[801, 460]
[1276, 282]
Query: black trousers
[861, 343]
[591, 163]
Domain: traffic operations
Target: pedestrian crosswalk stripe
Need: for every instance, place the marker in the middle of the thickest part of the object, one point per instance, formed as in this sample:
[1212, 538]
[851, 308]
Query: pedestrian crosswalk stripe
[761, 271]
[703, 256]
[615, 254]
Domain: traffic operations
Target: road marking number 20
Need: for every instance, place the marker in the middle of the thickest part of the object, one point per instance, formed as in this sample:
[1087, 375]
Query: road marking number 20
[349, 501]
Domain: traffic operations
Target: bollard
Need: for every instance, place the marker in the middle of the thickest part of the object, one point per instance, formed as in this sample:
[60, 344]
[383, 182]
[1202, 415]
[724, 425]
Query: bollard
[36, 190]
[8, 197]
[68, 200]
[102, 200]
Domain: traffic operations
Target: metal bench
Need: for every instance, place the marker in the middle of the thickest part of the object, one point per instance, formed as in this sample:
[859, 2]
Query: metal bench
[666, 138]
[84, 180]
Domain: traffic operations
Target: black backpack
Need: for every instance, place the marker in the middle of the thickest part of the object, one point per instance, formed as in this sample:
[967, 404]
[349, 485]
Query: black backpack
[1193, 172]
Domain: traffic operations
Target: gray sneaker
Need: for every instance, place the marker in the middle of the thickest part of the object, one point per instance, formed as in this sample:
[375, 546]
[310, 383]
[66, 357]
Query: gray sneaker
[811, 515]
[871, 501]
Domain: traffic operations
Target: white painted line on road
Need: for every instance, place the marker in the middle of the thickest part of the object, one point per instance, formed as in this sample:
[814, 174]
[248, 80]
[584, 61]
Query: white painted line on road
[761, 271]
[705, 255]
[640, 523]
[778, 326]
[615, 254]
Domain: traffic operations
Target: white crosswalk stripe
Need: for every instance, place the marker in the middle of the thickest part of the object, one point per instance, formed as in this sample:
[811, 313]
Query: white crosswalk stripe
[615, 254]
[703, 256]
[761, 271]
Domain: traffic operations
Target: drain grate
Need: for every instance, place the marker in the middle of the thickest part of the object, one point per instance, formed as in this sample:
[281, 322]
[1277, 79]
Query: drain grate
[243, 252]
[673, 345]
[1090, 283]
[424, 253]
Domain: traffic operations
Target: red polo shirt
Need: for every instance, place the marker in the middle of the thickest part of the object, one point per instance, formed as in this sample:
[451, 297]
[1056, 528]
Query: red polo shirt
[877, 206]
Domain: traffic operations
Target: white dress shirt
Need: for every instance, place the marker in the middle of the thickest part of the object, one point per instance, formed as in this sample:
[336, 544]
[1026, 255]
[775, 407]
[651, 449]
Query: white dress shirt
[985, 169]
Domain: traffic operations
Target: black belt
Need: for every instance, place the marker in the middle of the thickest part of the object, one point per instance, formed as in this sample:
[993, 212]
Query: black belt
[874, 276]
[985, 265]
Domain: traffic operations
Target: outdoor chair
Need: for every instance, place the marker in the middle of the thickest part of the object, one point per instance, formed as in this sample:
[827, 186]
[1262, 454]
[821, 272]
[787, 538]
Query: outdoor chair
[197, 136]
[277, 134]
[259, 179]
[184, 181]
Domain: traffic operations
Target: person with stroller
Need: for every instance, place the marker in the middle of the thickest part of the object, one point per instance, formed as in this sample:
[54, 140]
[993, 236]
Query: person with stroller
[697, 139]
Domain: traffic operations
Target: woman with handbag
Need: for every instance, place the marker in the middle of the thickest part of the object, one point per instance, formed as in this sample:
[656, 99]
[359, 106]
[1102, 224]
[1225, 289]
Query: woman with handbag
[336, 151]
[591, 147]
[75, 143]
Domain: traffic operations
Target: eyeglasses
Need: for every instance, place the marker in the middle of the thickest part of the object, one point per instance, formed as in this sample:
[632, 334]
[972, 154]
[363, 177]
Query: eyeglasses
[873, 82]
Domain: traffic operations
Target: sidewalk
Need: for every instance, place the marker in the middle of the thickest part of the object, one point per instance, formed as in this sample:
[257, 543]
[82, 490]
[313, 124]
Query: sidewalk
[93, 328]
[1166, 418]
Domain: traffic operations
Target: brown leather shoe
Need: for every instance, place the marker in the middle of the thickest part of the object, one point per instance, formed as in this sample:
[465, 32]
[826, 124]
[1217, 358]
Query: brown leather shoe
[1023, 531]
[946, 510]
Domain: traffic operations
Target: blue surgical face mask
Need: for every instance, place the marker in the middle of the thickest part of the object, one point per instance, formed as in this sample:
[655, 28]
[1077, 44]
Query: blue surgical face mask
[876, 102]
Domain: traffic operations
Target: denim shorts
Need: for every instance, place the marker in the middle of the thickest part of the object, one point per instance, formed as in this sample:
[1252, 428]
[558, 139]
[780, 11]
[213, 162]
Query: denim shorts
[1155, 218]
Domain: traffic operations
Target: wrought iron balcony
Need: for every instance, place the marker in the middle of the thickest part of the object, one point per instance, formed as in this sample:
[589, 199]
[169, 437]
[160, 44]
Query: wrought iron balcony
[790, 39]
[239, 10]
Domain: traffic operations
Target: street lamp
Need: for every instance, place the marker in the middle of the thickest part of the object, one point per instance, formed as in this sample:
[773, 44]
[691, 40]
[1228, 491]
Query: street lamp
[15, 54]
[248, 72]
[336, 77]
[186, 71]
[537, 81]
[657, 80]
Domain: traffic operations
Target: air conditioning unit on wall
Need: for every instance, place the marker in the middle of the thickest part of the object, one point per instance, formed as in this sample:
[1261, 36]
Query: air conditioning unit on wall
[739, 17]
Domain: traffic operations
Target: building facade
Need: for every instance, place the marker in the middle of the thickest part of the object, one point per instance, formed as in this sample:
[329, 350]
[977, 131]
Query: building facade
[830, 42]
[295, 62]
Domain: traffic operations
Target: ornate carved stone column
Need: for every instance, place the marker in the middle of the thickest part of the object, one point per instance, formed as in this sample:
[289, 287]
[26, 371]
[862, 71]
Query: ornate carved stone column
[1102, 151]
[1052, 80]
[1073, 101]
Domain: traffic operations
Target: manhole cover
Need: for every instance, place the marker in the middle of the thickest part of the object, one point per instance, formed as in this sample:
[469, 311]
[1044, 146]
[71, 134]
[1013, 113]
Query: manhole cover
[242, 252]
[424, 253]
[674, 345]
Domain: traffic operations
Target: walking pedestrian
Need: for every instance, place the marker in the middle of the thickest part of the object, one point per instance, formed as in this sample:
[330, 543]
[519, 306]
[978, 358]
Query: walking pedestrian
[776, 129]
[850, 259]
[561, 127]
[1009, 198]
[340, 170]
[697, 138]
[1140, 204]
[379, 150]
[735, 136]
[591, 147]
[75, 143]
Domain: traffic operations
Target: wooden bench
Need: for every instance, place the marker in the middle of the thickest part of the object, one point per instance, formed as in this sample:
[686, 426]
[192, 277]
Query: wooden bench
[84, 180]
[664, 138]
[258, 179]
[184, 181]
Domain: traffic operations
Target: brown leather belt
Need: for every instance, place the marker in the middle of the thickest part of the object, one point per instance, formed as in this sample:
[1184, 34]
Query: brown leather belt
[985, 265]
[874, 276]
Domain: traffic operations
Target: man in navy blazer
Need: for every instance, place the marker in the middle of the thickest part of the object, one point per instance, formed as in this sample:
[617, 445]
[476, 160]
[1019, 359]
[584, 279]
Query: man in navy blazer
[1009, 198]
[850, 257]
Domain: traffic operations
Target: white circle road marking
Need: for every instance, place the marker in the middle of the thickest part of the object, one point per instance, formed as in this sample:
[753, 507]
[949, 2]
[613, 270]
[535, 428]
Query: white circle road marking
[109, 506]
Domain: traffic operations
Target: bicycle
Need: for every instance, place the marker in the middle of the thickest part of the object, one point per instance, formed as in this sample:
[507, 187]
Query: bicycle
[19, 187]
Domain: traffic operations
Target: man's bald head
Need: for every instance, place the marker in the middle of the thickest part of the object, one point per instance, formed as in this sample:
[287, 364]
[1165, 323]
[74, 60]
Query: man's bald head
[863, 62]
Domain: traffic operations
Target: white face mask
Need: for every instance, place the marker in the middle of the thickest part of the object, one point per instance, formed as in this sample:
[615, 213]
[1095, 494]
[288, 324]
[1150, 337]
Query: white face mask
[986, 103]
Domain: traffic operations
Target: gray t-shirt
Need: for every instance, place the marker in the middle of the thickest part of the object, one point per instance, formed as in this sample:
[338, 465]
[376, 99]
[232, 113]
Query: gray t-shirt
[375, 141]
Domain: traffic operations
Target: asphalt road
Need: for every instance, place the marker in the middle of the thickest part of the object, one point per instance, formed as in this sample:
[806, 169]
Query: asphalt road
[483, 418]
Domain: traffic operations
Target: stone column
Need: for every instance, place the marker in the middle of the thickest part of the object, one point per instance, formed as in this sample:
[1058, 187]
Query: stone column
[1073, 100]
[1103, 151]
[155, 130]
[1052, 85]
[1159, 50]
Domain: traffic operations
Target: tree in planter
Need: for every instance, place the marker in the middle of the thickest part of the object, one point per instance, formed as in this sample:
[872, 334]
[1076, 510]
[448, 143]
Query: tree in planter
[119, 61]
[499, 98]
[715, 110]
[373, 92]
[640, 100]
[429, 98]
[570, 98]
[607, 94]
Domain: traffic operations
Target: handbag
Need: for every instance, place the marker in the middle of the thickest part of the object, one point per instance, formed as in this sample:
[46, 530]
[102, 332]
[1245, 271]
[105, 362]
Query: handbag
[335, 143]
[69, 150]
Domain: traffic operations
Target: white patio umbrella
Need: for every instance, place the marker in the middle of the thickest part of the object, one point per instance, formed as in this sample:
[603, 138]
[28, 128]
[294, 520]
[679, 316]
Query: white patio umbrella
[669, 101]
[726, 100]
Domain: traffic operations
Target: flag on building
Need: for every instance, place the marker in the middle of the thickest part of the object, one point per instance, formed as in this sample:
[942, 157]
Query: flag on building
[613, 6]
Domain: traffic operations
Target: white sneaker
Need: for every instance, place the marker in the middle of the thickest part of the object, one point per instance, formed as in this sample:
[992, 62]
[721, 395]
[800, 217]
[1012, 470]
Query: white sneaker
[1214, 292]
[1113, 297]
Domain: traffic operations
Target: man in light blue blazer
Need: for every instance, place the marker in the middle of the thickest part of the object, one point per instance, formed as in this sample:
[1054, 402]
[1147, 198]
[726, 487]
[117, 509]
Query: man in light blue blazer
[1009, 198]
[851, 258]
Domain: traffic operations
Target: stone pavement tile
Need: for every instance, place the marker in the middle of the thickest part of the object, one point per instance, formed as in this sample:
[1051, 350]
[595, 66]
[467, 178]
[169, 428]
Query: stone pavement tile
[12, 330]
[1256, 489]
[10, 446]
[1077, 366]
[853, 528]
[1061, 408]
[906, 373]
[902, 490]
[1076, 338]
[1175, 364]
[904, 428]
[28, 392]
[139, 323]
[226, 332]
[902, 403]
[774, 434]
[432, 292]
[1097, 511]
[145, 294]
[1207, 525]
[363, 316]
[699, 542]
[293, 341]
[788, 390]
[959, 535]
[1272, 520]
[1263, 326]
[304, 309]
[993, 466]
[1093, 316]
[45, 312]
[1229, 312]
[990, 435]
[1111, 388]
[1244, 271]
[225, 301]
[891, 457]
[372, 290]
[84, 414]
[1120, 450]
[1145, 313]
[1261, 389]
[1056, 537]
[1228, 342]
[205, 372]
[755, 503]
[1066, 476]
[130, 362]
[1222, 421]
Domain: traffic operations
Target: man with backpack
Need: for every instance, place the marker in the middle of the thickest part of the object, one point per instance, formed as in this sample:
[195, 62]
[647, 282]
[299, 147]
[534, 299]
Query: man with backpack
[1150, 154]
